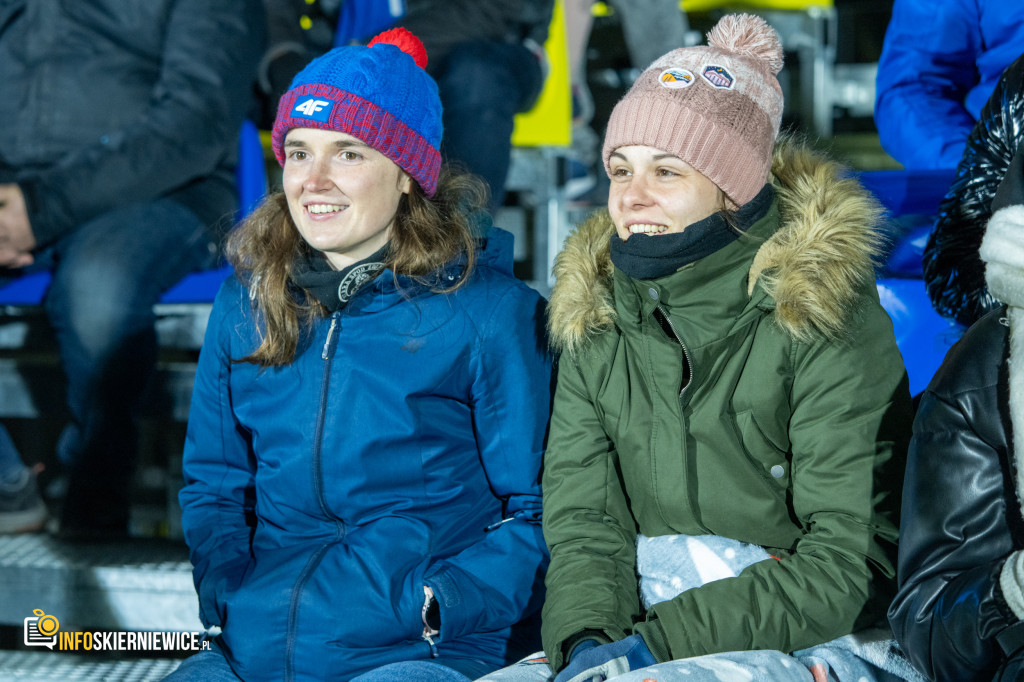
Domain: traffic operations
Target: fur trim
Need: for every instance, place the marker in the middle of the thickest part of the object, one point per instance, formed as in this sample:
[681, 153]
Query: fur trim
[815, 264]
[581, 304]
[1011, 577]
[1003, 254]
[812, 266]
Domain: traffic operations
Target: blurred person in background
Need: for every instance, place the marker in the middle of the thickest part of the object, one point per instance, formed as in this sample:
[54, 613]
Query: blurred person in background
[487, 57]
[940, 61]
[118, 149]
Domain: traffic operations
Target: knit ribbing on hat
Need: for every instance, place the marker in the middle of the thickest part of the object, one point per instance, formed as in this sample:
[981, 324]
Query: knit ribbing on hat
[366, 121]
[710, 145]
[719, 107]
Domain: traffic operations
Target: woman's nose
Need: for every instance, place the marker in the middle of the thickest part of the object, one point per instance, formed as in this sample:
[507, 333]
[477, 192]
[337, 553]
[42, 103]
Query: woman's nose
[636, 191]
[318, 176]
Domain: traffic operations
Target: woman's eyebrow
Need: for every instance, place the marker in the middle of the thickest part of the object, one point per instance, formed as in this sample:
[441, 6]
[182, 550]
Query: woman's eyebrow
[348, 144]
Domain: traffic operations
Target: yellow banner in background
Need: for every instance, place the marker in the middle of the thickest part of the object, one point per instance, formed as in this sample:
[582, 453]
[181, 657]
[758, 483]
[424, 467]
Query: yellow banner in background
[549, 122]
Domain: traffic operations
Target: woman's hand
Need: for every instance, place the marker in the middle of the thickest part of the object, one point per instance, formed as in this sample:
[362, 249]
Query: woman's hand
[607, 661]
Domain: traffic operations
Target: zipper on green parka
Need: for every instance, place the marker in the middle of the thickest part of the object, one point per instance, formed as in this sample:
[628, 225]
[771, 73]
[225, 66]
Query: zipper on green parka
[670, 330]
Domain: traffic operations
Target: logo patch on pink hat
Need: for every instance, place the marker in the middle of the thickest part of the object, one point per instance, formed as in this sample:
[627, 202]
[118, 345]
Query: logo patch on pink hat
[676, 78]
[313, 107]
[718, 77]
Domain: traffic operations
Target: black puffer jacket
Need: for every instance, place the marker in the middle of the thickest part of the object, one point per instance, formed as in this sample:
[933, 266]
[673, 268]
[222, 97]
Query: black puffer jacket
[107, 102]
[953, 272]
[961, 518]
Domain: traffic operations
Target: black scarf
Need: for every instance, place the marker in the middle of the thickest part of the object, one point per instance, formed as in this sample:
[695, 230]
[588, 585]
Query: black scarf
[334, 288]
[652, 256]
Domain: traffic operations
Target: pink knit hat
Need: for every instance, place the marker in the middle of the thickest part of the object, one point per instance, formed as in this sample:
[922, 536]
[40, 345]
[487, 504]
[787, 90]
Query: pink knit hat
[717, 107]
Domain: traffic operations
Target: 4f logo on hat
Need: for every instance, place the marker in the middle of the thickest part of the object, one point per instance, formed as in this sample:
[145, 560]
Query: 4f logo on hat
[313, 108]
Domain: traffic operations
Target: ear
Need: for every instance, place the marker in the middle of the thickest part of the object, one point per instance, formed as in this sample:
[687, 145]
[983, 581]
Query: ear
[404, 182]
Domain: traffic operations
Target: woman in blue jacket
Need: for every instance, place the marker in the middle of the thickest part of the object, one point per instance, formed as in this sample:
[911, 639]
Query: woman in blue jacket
[362, 465]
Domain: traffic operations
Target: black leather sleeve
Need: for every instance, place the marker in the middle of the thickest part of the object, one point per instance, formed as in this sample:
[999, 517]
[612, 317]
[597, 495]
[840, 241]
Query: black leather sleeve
[953, 272]
[960, 516]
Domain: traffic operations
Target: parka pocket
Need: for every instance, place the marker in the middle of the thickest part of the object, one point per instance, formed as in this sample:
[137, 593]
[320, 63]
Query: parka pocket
[770, 462]
[382, 602]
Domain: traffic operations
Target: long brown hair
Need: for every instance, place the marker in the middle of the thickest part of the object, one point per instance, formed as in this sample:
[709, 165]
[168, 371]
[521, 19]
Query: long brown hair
[427, 233]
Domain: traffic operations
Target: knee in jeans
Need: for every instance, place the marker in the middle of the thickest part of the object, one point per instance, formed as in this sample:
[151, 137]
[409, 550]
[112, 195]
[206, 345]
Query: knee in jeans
[98, 311]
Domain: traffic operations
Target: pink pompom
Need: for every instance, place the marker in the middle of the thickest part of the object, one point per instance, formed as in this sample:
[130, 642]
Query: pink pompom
[751, 35]
[405, 41]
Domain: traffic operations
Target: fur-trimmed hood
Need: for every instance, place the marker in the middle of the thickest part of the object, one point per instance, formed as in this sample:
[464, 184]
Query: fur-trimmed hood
[812, 266]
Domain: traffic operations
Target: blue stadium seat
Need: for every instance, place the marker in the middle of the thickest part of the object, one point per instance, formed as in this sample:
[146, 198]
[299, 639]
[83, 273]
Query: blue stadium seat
[923, 336]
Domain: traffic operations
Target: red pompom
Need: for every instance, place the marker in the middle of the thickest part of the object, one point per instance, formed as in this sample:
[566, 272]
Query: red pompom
[404, 41]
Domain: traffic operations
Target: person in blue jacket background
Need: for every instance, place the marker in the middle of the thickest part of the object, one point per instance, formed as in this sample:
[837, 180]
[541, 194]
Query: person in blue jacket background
[940, 61]
[362, 465]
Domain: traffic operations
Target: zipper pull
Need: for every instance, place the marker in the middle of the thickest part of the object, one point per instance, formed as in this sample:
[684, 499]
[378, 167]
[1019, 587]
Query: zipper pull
[498, 524]
[328, 344]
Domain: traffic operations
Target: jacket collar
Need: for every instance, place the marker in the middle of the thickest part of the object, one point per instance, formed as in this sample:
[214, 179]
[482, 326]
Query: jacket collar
[807, 272]
[494, 251]
[710, 294]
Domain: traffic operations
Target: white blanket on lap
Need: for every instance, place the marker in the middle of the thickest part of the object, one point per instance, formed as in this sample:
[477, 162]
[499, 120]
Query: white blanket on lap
[669, 565]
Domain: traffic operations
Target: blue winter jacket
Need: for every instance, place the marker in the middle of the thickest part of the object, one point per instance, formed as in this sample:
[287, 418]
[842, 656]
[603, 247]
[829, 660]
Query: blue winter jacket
[401, 448]
[939, 64]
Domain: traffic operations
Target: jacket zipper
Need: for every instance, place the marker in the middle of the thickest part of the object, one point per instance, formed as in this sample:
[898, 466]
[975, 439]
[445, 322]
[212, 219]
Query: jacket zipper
[327, 355]
[664, 319]
[293, 611]
[433, 647]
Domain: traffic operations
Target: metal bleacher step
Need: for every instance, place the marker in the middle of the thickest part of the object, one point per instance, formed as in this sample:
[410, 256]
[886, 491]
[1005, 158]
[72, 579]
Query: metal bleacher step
[43, 666]
[141, 585]
[135, 585]
[32, 380]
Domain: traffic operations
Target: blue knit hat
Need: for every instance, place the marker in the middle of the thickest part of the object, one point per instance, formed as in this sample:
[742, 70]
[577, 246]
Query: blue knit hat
[379, 94]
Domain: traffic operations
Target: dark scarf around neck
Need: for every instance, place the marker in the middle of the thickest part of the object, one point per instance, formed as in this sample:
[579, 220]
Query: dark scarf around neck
[335, 288]
[652, 256]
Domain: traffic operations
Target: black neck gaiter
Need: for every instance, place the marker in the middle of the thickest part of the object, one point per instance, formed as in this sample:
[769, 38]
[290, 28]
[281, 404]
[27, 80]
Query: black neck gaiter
[652, 256]
[334, 288]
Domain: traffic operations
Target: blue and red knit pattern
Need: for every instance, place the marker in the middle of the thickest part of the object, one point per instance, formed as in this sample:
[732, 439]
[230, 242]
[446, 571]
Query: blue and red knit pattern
[366, 121]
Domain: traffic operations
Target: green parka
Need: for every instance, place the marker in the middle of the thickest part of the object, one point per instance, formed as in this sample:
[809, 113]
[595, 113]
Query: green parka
[757, 394]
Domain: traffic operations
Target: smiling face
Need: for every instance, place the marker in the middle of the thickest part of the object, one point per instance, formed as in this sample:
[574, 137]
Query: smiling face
[653, 192]
[342, 194]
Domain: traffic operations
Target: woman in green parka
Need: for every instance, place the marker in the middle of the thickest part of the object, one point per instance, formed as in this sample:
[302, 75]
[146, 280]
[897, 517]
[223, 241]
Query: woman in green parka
[732, 413]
